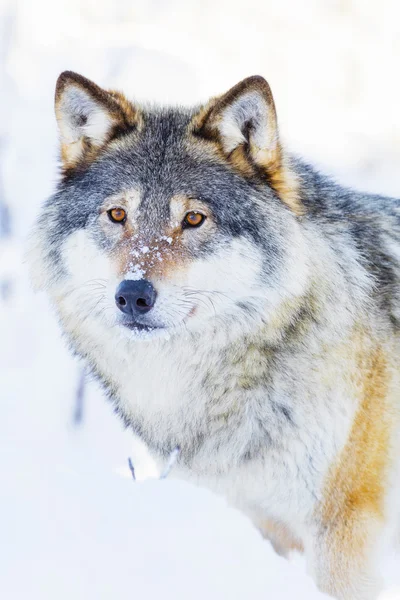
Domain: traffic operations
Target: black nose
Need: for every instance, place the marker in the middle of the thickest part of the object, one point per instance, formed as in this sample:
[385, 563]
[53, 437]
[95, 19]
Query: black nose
[135, 297]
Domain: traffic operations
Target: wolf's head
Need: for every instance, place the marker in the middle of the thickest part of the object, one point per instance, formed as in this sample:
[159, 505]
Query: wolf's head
[169, 219]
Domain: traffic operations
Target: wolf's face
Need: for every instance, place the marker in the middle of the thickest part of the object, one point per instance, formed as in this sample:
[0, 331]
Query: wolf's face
[170, 220]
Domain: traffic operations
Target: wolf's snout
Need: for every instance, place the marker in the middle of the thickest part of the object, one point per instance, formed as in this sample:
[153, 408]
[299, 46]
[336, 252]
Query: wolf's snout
[135, 297]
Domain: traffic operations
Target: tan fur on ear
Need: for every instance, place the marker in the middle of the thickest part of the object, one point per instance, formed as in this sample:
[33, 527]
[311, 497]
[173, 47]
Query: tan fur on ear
[243, 125]
[88, 118]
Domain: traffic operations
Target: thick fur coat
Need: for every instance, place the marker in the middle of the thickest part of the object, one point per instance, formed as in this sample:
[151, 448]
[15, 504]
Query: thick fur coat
[268, 346]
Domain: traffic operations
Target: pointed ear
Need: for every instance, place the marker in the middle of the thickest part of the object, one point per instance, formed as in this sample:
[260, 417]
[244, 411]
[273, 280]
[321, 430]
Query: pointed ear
[88, 117]
[243, 124]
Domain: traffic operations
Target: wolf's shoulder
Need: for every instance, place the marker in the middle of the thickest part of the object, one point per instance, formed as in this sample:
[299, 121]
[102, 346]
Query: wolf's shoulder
[352, 220]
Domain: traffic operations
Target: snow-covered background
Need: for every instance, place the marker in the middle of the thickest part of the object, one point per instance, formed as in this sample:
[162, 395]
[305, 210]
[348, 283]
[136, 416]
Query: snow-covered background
[73, 524]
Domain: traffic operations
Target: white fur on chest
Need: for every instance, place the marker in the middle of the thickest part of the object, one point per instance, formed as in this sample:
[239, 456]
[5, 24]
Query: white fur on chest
[162, 391]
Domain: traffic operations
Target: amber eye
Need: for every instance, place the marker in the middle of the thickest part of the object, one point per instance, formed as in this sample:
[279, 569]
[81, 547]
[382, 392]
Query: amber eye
[193, 219]
[117, 215]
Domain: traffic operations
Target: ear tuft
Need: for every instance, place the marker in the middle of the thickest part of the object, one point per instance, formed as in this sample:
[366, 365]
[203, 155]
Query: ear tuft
[88, 117]
[243, 124]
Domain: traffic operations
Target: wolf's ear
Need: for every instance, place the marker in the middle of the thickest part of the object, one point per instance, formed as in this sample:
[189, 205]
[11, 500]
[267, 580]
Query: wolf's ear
[244, 126]
[88, 117]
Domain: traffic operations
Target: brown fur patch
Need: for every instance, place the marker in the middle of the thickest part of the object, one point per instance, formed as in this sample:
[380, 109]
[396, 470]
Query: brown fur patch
[239, 159]
[269, 164]
[358, 481]
[286, 184]
[354, 498]
[158, 262]
[129, 114]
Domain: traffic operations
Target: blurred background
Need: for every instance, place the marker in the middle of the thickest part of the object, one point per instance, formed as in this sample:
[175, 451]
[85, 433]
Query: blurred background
[333, 66]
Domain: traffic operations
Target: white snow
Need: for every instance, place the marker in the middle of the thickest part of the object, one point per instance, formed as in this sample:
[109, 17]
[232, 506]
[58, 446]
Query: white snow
[73, 523]
[96, 535]
[166, 238]
[135, 273]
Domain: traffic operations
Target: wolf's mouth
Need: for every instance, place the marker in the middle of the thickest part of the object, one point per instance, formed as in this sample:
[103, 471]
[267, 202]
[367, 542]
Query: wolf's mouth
[135, 326]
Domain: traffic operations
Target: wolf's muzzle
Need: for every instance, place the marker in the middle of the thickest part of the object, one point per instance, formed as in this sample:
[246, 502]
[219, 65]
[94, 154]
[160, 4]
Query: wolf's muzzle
[134, 298]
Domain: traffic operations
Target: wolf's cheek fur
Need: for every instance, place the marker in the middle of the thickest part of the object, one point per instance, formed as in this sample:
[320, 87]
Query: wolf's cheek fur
[87, 290]
[234, 279]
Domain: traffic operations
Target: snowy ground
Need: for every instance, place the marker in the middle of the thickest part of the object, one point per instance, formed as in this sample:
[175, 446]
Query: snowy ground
[73, 523]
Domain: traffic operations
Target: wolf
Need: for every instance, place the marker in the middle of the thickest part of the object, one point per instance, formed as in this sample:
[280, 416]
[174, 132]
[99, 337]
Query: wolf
[239, 305]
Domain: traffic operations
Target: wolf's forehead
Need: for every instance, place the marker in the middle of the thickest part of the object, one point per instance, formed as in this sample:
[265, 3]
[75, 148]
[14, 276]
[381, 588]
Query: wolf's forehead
[157, 162]
[164, 163]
